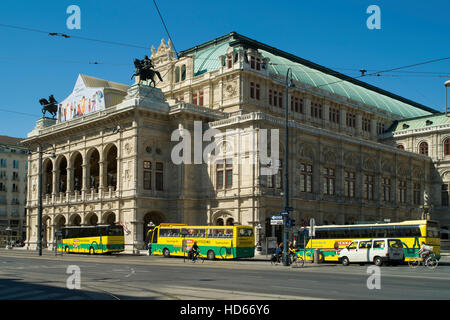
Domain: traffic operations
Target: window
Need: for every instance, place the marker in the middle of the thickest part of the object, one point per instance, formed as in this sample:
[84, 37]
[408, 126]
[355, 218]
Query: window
[229, 61]
[159, 176]
[220, 233]
[378, 244]
[306, 173]
[402, 191]
[147, 175]
[16, 164]
[15, 175]
[394, 243]
[255, 63]
[2, 186]
[380, 127]
[254, 90]
[177, 74]
[270, 97]
[423, 148]
[368, 187]
[197, 98]
[224, 174]
[353, 245]
[3, 163]
[334, 115]
[329, 181]
[245, 232]
[365, 244]
[444, 195]
[351, 120]
[15, 188]
[349, 184]
[401, 147]
[275, 98]
[416, 194]
[366, 124]
[386, 183]
[316, 110]
[183, 72]
[447, 147]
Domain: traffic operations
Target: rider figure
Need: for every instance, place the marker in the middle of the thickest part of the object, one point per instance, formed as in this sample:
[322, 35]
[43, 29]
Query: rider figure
[424, 250]
[193, 251]
[147, 63]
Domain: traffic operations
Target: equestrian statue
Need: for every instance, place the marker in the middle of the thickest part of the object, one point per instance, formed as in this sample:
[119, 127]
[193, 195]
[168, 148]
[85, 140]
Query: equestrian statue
[145, 70]
[50, 106]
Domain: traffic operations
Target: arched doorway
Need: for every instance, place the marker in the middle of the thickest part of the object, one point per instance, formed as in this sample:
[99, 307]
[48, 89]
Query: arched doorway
[47, 179]
[109, 218]
[62, 168]
[77, 165]
[151, 218]
[60, 221]
[91, 219]
[47, 231]
[75, 220]
[111, 167]
[94, 169]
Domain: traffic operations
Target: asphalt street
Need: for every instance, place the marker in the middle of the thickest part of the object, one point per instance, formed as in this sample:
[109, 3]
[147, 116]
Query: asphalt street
[24, 275]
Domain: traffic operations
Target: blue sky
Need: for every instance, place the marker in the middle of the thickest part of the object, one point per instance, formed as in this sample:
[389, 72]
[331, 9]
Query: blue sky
[330, 33]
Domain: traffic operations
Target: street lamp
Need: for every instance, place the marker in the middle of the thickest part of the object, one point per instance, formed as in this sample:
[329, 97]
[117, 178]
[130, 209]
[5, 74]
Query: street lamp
[258, 245]
[289, 84]
[39, 222]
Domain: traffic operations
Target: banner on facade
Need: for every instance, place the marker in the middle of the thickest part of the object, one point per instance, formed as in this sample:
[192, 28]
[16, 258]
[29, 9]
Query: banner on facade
[81, 101]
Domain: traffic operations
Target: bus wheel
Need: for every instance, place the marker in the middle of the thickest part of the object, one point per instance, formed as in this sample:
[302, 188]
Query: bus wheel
[166, 252]
[91, 251]
[211, 255]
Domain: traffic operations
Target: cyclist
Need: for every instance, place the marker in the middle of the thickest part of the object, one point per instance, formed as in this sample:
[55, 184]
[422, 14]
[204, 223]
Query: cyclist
[279, 252]
[425, 251]
[291, 251]
[193, 252]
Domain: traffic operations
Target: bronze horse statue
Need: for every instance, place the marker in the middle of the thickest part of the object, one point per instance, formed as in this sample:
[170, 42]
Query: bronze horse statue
[144, 69]
[50, 106]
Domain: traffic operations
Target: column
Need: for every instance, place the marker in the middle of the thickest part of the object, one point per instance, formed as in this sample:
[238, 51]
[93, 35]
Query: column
[307, 106]
[84, 182]
[54, 186]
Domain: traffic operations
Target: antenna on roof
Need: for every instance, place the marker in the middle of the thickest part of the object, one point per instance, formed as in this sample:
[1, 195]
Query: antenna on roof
[446, 84]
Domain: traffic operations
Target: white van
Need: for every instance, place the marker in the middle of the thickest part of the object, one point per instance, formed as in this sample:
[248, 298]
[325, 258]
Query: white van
[377, 251]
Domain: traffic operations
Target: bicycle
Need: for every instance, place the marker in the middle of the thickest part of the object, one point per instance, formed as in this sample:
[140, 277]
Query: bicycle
[430, 261]
[197, 256]
[275, 259]
[296, 261]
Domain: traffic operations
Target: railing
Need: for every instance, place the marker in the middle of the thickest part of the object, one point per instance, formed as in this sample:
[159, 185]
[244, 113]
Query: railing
[79, 196]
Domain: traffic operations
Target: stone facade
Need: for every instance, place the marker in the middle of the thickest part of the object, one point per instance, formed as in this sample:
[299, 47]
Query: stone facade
[118, 163]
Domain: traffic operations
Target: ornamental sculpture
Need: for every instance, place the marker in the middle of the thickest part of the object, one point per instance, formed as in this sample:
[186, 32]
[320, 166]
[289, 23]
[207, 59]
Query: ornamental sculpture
[50, 106]
[145, 71]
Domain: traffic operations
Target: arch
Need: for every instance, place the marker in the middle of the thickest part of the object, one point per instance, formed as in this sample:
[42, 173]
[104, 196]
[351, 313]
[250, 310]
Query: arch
[177, 74]
[47, 230]
[221, 218]
[110, 156]
[59, 222]
[47, 176]
[446, 145]
[61, 165]
[109, 218]
[230, 222]
[91, 219]
[401, 147]
[75, 220]
[423, 147]
[154, 217]
[76, 162]
[93, 161]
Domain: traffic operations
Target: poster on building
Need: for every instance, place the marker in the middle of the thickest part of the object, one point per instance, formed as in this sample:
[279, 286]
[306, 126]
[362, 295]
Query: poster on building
[80, 102]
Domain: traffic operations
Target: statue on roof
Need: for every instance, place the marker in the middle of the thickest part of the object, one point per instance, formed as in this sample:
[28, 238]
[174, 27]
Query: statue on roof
[145, 70]
[50, 106]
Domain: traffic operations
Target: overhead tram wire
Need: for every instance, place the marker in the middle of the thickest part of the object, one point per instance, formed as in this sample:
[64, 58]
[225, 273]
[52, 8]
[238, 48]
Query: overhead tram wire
[72, 36]
[165, 27]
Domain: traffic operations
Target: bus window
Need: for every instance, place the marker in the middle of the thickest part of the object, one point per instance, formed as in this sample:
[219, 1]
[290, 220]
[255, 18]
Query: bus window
[245, 232]
[196, 233]
[169, 232]
[115, 231]
[155, 236]
[220, 233]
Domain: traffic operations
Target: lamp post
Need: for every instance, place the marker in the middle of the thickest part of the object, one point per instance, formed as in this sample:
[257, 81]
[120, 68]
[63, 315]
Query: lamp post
[39, 218]
[9, 231]
[289, 84]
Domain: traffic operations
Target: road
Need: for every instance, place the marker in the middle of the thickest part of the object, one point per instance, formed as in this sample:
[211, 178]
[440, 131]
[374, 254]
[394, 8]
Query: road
[24, 275]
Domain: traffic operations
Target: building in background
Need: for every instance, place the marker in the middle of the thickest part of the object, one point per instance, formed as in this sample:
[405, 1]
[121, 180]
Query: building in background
[13, 188]
[115, 164]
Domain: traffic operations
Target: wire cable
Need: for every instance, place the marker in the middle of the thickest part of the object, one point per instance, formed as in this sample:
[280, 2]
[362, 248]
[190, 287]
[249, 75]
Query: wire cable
[165, 27]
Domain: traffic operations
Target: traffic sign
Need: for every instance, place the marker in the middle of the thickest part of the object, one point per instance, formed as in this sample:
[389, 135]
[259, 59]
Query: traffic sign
[276, 220]
[284, 213]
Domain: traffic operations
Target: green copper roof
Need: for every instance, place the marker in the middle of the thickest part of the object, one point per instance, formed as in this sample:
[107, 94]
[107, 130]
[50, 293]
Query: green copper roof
[422, 122]
[206, 59]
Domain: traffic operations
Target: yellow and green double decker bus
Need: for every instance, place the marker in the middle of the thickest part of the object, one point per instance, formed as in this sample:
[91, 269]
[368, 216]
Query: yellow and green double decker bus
[214, 242]
[329, 239]
[92, 239]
